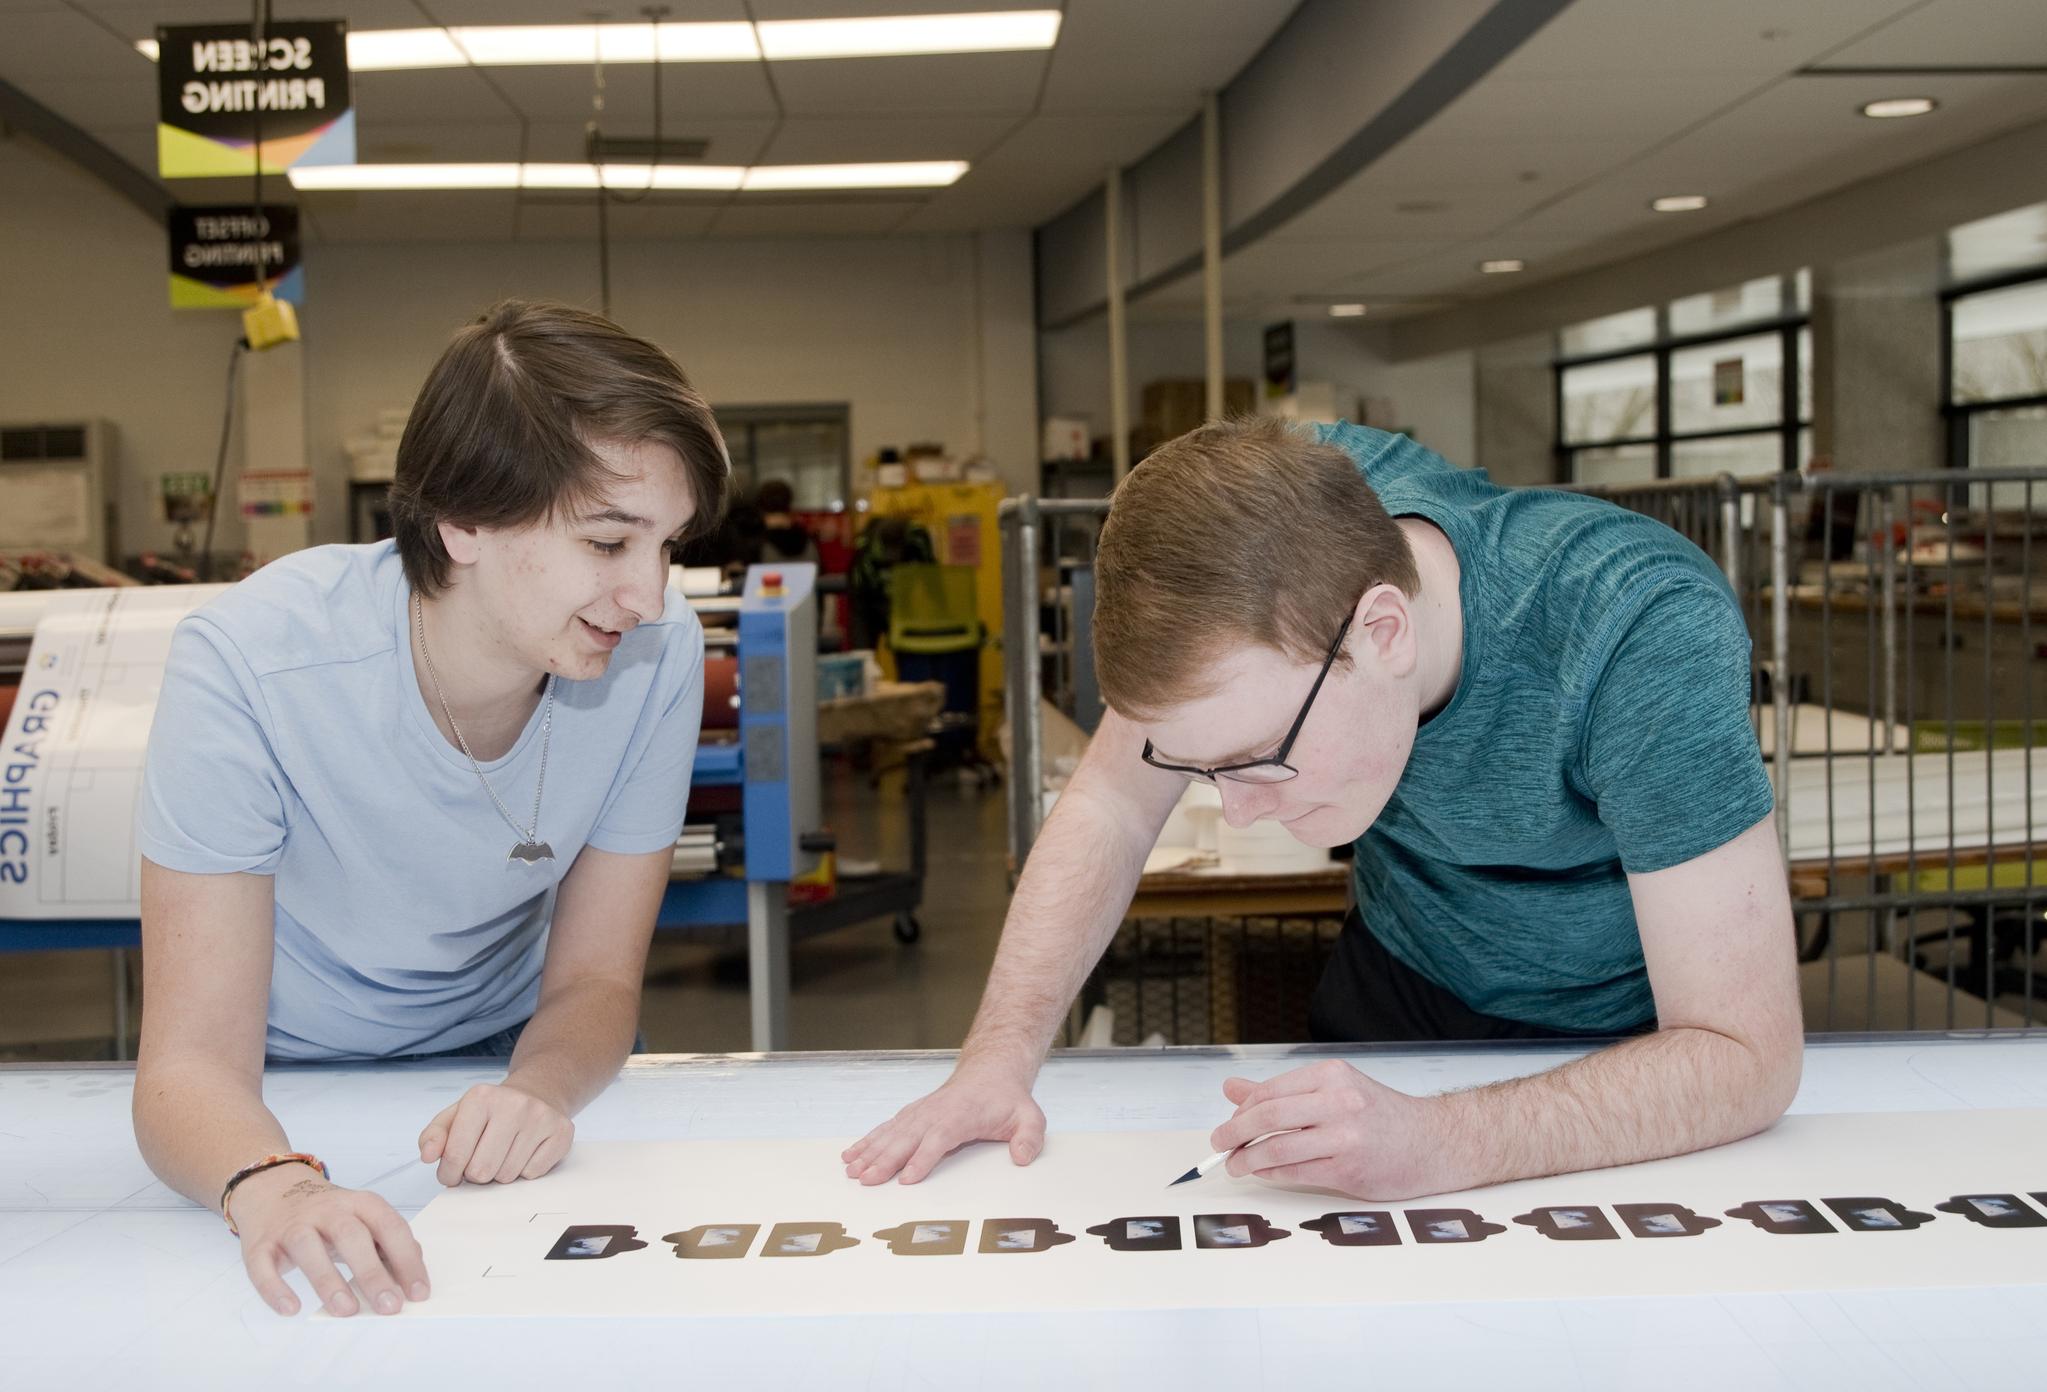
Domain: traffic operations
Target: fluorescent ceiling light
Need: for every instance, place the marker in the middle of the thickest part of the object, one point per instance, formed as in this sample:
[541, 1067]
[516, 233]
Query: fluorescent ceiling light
[404, 176]
[925, 174]
[1679, 203]
[1346, 311]
[1502, 267]
[624, 177]
[897, 35]
[1899, 106]
[628, 177]
[521, 45]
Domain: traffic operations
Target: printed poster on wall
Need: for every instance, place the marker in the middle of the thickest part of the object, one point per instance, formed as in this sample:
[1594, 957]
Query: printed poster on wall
[1728, 382]
[214, 81]
[221, 257]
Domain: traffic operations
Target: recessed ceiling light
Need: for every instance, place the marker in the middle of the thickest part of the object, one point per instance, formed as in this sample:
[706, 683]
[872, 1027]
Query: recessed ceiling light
[1899, 106]
[371, 177]
[1346, 311]
[1679, 203]
[721, 41]
[1505, 266]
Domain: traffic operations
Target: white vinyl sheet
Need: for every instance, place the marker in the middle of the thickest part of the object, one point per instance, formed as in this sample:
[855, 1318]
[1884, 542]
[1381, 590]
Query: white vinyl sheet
[1828, 1203]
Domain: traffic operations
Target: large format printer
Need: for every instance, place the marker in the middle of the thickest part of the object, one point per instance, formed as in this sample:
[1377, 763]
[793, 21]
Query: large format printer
[754, 825]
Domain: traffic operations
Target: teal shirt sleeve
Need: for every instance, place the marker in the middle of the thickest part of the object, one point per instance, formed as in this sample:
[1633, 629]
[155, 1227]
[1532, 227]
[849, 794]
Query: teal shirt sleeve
[1669, 754]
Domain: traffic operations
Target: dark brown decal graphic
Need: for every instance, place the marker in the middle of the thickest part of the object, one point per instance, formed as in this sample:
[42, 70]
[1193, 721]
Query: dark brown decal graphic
[1571, 1223]
[1140, 1234]
[1994, 1210]
[1234, 1230]
[1367, 1229]
[1663, 1220]
[1440, 1225]
[1789, 1216]
[1876, 1215]
[594, 1242]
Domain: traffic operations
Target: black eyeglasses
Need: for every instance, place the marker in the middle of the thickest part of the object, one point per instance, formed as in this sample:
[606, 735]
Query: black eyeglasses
[1273, 768]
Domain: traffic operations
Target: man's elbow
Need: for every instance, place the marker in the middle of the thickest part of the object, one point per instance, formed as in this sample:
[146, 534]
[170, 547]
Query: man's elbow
[1779, 1062]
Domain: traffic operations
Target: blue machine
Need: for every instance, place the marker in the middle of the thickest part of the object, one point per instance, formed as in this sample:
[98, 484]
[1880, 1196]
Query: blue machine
[774, 763]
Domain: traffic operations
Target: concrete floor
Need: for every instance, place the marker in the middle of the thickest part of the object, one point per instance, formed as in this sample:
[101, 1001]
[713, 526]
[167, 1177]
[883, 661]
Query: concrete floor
[859, 988]
[854, 989]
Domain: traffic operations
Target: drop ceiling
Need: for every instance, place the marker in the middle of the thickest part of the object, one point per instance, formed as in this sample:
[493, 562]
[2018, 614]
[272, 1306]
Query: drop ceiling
[1552, 157]
[1038, 128]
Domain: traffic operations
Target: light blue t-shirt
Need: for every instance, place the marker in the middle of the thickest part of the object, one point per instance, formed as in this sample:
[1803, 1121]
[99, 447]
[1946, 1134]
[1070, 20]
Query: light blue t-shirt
[1600, 727]
[291, 740]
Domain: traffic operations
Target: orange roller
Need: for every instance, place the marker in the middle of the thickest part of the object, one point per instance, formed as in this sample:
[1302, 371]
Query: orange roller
[721, 692]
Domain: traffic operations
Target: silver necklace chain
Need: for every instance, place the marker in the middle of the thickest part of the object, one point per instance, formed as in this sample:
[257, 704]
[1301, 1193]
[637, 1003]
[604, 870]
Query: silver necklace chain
[528, 837]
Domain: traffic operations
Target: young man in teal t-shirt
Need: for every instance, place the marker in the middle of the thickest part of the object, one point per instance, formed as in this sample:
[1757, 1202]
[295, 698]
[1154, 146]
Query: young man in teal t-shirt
[1527, 711]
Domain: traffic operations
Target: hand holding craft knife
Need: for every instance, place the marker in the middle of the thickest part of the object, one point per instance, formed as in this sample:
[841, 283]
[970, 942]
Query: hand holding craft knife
[1220, 1156]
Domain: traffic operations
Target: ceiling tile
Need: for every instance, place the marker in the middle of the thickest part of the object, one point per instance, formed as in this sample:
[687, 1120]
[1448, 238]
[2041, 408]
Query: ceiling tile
[63, 45]
[981, 82]
[856, 139]
[556, 219]
[1954, 32]
[1046, 166]
[810, 219]
[1629, 39]
[461, 215]
[1091, 68]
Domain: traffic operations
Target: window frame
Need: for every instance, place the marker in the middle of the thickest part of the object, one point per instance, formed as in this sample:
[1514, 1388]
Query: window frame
[738, 424]
[1959, 416]
[1789, 425]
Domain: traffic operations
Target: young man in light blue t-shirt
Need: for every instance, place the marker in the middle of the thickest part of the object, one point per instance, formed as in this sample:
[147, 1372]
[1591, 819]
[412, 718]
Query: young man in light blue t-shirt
[1527, 710]
[421, 797]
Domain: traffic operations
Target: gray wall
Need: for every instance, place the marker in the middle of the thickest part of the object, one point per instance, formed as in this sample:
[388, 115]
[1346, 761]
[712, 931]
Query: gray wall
[926, 338]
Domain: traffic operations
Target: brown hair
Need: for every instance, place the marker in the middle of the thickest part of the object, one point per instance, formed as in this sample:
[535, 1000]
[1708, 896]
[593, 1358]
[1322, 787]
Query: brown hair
[1241, 531]
[501, 433]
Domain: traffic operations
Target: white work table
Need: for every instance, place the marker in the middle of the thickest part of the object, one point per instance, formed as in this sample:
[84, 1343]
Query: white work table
[109, 1279]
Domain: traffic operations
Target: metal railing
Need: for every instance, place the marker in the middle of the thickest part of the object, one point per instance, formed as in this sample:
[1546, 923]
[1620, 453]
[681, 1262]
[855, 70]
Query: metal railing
[1894, 663]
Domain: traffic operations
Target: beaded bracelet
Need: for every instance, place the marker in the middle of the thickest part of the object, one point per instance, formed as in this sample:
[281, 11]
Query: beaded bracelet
[268, 1162]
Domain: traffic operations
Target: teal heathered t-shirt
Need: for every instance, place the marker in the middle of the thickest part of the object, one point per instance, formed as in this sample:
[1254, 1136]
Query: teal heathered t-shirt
[1600, 726]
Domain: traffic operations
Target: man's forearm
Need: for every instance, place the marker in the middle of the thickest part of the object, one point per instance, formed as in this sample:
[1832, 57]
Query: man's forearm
[1068, 902]
[196, 1125]
[575, 1044]
[1667, 1093]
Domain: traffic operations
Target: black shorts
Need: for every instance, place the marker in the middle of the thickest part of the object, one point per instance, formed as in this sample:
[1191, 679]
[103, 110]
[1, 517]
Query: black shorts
[1369, 996]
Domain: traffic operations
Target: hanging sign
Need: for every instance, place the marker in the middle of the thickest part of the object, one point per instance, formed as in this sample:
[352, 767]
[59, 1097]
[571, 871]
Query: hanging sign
[214, 85]
[221, 257]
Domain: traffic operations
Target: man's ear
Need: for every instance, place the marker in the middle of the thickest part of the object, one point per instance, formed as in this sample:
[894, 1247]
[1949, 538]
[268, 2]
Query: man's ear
[1384, 628]
[463, 544]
